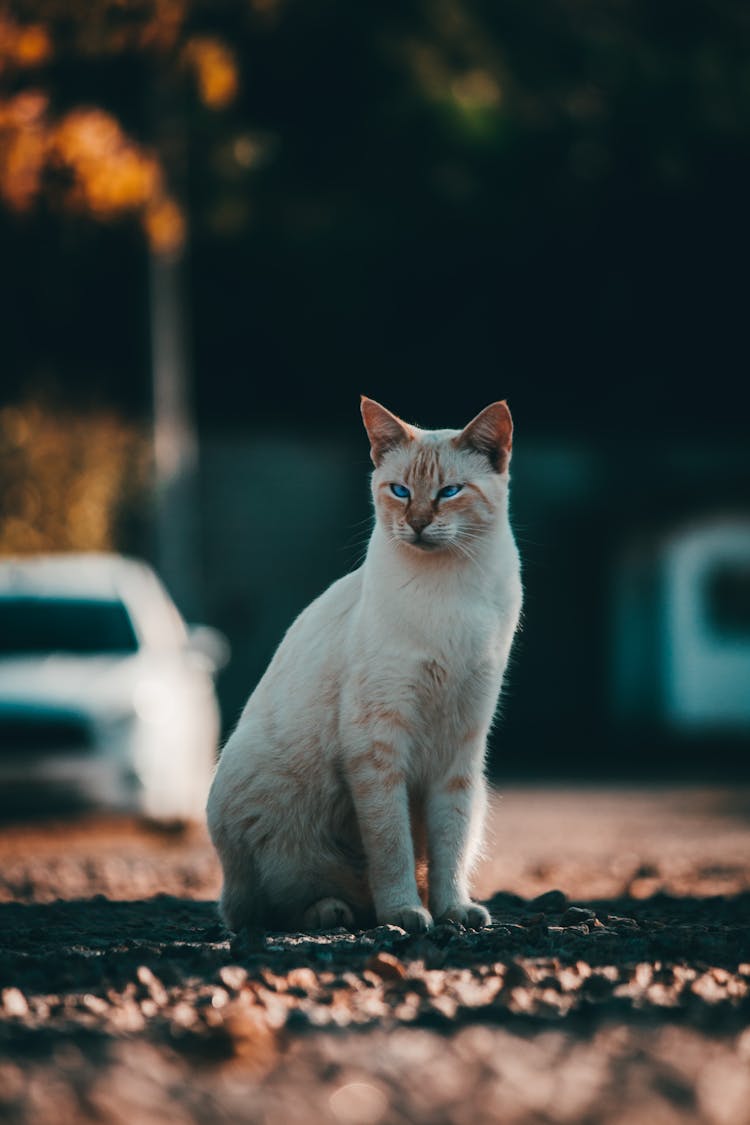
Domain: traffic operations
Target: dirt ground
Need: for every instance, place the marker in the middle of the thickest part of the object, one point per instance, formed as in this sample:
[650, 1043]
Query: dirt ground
[613, 985]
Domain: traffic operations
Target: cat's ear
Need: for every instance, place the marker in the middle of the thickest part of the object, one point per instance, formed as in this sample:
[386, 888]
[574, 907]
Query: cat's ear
[490, 433]
[384, 429]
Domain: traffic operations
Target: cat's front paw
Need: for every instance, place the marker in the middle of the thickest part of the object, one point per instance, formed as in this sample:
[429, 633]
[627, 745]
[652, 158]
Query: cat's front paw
[469, 914]
[413, 919]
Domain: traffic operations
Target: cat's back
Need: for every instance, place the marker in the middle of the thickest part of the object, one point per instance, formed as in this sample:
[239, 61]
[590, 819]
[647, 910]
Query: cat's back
[315, 643]
[328, 613]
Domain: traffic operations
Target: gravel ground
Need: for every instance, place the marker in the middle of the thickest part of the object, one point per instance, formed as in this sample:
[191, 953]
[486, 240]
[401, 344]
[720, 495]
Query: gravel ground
[613, 985]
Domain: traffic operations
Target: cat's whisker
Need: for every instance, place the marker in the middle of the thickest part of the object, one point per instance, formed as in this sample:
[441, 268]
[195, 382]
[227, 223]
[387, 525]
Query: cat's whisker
[358, 525]
[360, 547]
[472, 556]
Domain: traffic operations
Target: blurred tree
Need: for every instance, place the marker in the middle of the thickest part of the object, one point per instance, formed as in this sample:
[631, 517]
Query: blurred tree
[121, 157]
[68, 481]
[64, 141]
[391, 192]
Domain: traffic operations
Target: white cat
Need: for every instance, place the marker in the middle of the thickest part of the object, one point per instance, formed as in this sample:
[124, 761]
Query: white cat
[360, 754]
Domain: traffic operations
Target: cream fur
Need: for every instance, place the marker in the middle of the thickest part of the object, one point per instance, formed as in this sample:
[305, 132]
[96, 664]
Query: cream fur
[362, 747]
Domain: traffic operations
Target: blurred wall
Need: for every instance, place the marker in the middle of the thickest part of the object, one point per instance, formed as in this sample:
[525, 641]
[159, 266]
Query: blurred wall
[437, 204]
[285, 515]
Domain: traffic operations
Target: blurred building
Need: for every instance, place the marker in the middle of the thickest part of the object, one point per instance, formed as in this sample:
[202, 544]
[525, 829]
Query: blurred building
[682, 629]
[437, 205]
[634, 651]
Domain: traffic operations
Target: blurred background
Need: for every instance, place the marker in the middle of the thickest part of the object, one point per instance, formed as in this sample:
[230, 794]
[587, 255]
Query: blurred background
[221, 222]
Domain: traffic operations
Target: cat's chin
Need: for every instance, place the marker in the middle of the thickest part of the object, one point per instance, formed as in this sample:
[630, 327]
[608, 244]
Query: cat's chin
[424, 546]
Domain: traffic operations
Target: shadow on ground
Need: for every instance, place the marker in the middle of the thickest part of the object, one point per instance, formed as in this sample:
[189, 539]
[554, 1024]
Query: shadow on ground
[86, 963]
[623, 997]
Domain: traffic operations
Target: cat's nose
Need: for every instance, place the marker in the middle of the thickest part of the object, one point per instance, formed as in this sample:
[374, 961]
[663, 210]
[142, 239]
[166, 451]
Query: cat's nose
[418, 522]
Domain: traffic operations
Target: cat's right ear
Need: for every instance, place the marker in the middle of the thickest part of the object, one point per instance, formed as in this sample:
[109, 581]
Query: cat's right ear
[384, 429]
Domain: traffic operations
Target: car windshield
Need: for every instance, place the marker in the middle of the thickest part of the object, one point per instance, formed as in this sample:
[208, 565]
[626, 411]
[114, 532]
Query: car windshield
[34, 625]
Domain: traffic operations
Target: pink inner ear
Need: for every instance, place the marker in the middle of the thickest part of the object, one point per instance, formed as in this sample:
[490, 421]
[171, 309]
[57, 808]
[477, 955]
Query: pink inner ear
[490, 433]
[384, 429]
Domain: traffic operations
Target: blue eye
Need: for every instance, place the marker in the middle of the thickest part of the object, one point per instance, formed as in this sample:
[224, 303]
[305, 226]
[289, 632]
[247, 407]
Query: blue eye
[401, 491]
[449, 490]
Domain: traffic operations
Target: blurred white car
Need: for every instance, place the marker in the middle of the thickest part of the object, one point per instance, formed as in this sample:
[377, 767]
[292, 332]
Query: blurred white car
[103, 690]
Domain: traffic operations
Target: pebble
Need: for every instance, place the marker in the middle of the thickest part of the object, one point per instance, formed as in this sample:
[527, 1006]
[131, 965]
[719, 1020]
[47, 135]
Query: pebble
[387, 933]
[233, 976]
[623, 923]
[386, 966]
[94, 1004]
[575, 915]
[14, 1002]
[150, 981]
[551, 902]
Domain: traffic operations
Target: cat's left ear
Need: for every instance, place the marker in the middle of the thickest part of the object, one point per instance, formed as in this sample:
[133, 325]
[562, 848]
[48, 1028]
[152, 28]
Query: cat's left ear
[490, 433]
[384, 429]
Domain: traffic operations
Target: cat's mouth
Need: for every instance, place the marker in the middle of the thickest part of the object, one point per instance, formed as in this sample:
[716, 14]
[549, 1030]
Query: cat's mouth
[424, 544]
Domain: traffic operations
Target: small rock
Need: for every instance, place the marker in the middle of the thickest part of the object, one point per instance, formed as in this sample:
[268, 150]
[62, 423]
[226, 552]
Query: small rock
[156, 989]
[14, 1002]
[550, 902]
[95, 1004]
[387, 934]
[643, 974]
[622, 923]
[444, 933]
[386, 966]
[302, 978]
[183, 1015]
[233, 976]
[575, 915]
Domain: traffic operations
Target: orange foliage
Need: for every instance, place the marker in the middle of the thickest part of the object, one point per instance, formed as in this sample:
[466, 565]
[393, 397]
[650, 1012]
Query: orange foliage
[95, 28]
[215, 70]
[23, 148]
[165, 226]
[105, 173]
[111, 173]
[96, 168]
[23, 45]
[66, 479]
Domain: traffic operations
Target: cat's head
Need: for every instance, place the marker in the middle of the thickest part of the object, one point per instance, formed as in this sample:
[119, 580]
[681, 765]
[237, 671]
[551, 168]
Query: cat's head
[439, 490]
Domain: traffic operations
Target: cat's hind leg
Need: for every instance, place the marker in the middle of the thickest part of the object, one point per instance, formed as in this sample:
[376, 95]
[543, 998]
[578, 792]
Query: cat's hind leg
[320, 893]
[242, 904]
[328, 914]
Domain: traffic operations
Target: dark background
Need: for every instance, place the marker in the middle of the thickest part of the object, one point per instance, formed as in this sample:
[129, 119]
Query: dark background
[438, 204]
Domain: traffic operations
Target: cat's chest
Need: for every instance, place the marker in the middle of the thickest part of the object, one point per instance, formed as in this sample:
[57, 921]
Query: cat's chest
[443, 681]
[454, 688]
[445, 647]
[434, 663]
